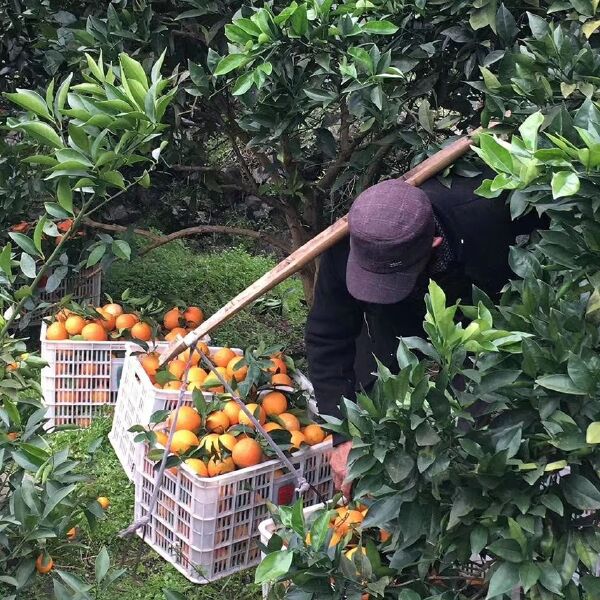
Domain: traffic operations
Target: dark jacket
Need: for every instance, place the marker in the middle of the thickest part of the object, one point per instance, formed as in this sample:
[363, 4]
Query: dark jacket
[342, 333]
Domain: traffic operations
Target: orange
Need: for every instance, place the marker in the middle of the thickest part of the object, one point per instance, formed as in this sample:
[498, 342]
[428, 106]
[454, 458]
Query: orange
[72, 533]
[213, 384]
[176, 368]
[247, 453]
[13, 436]
[227, 441]
[297, 440]
[107, 320]
[172, 319]
[282, 379]
[172, 385]
[217, 421]
[183, 440]
[126, 321]
[314, 434]
[74, 324]
[198, 466]
[232, 410]
[347, 519]
[188, 418]
[274, 403]
[223, 356]
[161, 437]
[44, 564]
[216, 466]
[63, 314]
[261, 418]
[93, 332]
[56, 332]
[193, 316]
[210, 443]
[149, 363]
[196, 374]
[103, 501]
[114, 309]
[350, 553]
[185, 355]
[336, 538]
[194, 385]
[141, 331]
[384, 535]
[290, 421]
[238, 374]
[277, 366]
[270, 426]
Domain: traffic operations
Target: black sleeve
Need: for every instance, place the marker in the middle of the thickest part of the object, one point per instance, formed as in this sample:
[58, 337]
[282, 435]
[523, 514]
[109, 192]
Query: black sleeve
[334, 322]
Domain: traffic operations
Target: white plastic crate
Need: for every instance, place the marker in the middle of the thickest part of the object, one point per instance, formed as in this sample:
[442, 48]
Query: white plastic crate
[208, 528]
[137, 401]
[83, 286]
[81, 378]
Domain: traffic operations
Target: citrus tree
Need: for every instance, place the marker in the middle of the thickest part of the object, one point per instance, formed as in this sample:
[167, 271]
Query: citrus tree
[479, 460]
[91, 140]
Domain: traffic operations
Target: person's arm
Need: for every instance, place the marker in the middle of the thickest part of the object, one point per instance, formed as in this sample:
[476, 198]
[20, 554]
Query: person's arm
[333, 325]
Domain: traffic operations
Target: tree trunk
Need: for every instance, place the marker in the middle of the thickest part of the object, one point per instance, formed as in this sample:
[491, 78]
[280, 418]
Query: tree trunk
[299, 238]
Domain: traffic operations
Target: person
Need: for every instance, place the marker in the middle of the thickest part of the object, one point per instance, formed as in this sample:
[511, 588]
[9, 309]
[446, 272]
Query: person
[370, 287]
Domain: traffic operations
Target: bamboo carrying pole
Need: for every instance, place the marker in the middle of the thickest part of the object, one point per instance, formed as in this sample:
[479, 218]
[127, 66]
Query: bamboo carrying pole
[313, 248]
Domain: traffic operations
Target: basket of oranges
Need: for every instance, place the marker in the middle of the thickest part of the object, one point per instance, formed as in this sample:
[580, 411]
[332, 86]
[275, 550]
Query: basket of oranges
[85, 346]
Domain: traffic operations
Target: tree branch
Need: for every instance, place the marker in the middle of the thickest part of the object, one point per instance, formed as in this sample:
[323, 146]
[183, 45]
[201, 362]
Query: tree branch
[160, 240]
[193, 169]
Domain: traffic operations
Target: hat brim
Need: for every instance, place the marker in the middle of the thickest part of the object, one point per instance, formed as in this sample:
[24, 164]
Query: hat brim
[381, 288]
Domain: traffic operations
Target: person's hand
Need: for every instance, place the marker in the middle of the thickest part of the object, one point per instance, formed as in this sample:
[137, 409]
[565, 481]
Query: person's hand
[339, 467]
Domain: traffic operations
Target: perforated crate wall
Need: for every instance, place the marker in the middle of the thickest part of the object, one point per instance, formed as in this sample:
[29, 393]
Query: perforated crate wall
[81, 379]
[137, 400]
[85, 286]
[208, 527]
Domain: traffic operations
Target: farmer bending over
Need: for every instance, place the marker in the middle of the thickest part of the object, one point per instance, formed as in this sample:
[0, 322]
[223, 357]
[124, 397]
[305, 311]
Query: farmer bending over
[371, 286]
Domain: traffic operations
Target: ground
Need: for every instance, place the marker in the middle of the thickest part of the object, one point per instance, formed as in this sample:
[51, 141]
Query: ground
[147, 573]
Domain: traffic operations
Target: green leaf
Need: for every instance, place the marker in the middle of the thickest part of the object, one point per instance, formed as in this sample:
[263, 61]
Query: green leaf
[479, 538]
[506, 26]
[529, 574]
[592, 435]
[64, 195]
[504, 579]
[559, 383]
[133, 70]
[144, 180]
[95, 69]
[550, 578]
[300, 20]
[173, 594]
[589, 28]
[507, 549]
[529, 130]
[564, 183]
[494, 154]
[27, 265]
[121, 249]
[114, 178]
[56, 498]
[274, 566]
[30, 101]
[380, 27]
[41, 132]
[102, 564]
[24, 242]
[382, 511]
[38, 232]
[230, 63]
[243, 84]
[95, 255]
[553, 502]
[580, 492]
[320, 95]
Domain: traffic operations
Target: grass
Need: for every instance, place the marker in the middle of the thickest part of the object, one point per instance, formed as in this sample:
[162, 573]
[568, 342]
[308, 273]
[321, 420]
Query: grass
[174, 273]
[147, 574]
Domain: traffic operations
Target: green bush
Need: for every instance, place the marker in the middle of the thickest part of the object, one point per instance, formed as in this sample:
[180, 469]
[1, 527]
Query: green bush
[174, 273]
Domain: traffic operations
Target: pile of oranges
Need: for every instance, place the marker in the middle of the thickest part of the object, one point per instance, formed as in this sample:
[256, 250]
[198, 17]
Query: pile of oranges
[225, 439]
[113, 321]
